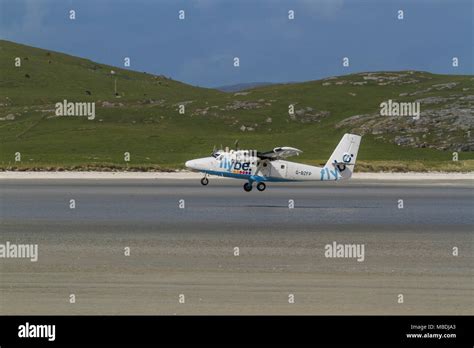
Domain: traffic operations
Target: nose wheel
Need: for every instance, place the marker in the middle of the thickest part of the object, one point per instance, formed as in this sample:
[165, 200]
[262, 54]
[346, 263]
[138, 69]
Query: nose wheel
[204, 181]
[261, 186]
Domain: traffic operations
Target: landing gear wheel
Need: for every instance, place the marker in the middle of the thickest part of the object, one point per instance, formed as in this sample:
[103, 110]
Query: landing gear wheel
[204, 181]
[261, 186]
[248, 187]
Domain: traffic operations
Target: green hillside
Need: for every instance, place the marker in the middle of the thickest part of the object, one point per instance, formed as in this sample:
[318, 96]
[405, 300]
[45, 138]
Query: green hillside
[143, 117]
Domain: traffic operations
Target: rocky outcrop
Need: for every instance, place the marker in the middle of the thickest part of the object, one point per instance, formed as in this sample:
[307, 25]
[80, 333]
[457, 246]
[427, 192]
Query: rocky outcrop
[243, 105]
[445, 127]
[308, 115]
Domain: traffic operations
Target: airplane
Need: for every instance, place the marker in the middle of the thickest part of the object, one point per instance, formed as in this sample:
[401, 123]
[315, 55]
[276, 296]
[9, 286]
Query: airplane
[261, 167]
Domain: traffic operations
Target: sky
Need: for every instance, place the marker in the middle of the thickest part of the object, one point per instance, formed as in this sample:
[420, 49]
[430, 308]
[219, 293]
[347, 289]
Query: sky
[200, 49]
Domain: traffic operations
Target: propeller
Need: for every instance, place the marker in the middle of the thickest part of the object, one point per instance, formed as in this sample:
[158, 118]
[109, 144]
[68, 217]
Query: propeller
[236, 144]
[213, 150]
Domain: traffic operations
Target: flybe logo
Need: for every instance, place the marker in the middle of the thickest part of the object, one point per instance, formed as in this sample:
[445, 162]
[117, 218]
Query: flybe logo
[235, 167]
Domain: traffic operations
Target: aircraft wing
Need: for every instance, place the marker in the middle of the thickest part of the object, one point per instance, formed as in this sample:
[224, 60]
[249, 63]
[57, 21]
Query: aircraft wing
[279, 152]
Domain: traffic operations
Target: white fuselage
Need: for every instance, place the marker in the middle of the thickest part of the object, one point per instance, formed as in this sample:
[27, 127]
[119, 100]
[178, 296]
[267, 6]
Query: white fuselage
[252, 169]
[269, 166]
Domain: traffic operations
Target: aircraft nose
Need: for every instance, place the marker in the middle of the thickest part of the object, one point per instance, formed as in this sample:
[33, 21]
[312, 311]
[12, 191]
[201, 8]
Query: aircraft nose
[190, 164]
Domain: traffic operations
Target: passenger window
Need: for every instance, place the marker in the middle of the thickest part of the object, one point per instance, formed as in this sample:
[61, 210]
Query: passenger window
[282, 166]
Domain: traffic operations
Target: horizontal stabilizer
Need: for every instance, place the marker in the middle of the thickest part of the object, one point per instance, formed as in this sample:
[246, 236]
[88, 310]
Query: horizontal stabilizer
[340, 163]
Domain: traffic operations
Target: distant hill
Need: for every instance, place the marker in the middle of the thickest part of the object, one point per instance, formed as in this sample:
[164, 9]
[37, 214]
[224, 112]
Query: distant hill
[145, 117]
[242, 86]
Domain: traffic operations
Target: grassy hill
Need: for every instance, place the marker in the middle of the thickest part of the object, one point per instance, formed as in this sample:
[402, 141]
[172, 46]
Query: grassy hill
[242, 86]
[143, 117]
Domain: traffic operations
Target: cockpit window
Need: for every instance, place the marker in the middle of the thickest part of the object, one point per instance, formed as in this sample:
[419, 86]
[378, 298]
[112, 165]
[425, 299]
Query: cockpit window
[215, 154]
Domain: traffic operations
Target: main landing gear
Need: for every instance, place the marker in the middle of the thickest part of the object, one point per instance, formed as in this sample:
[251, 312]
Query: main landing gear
[204, 181]
[260, 186]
